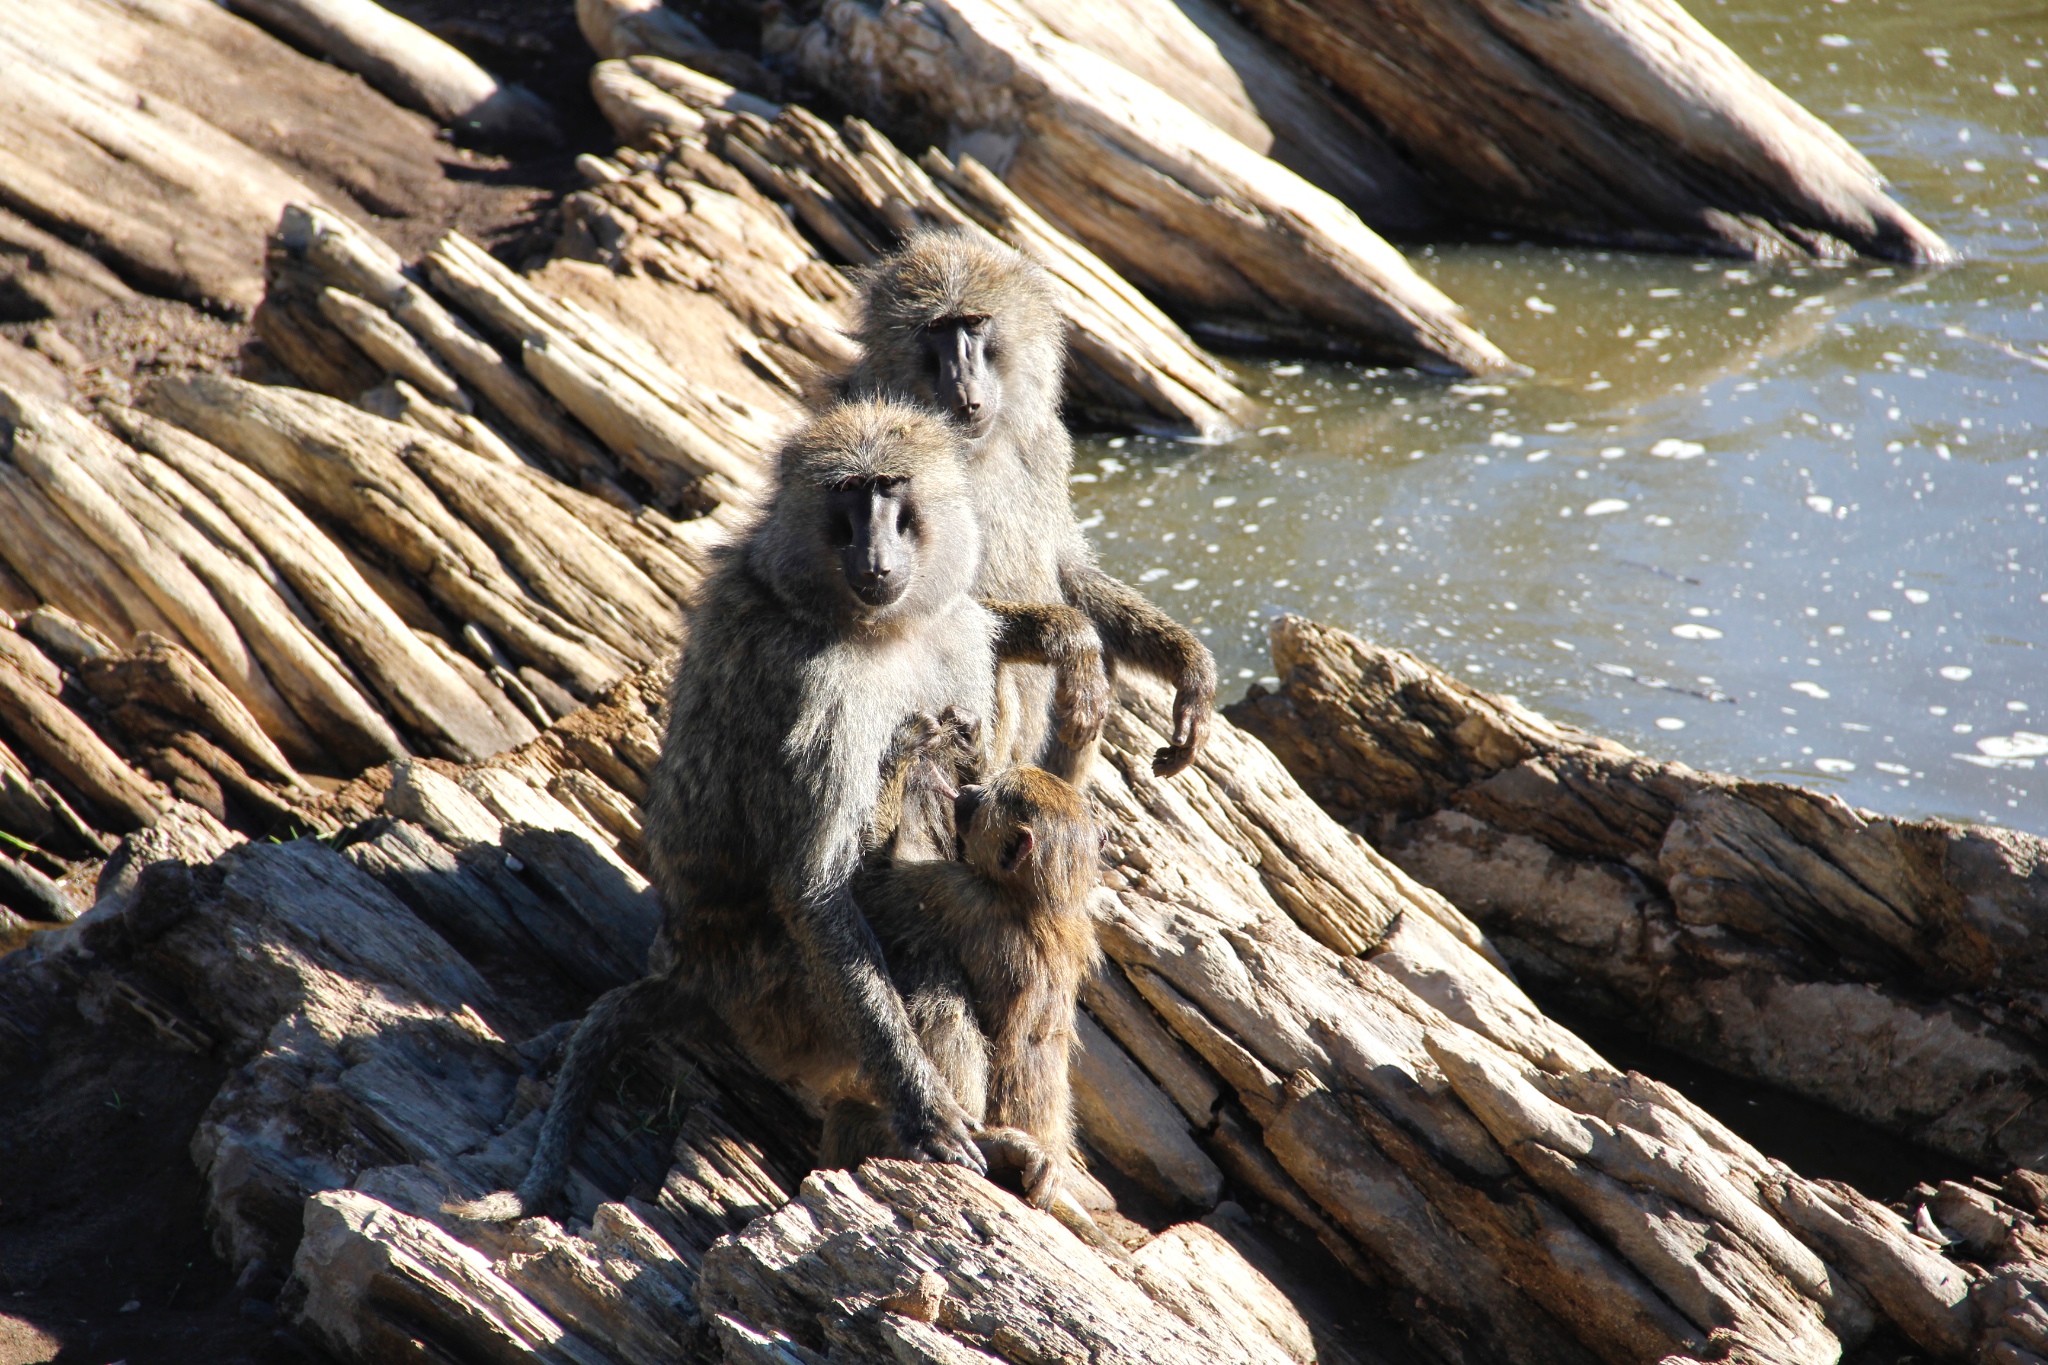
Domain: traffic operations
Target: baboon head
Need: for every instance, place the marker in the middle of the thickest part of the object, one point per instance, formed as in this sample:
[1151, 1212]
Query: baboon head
[1026, 828]
[964, 325]
[872, 519]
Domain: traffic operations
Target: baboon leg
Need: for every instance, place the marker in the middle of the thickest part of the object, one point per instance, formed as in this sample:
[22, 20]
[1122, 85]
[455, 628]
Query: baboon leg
[952, 1037]
[957, 1048]
[935, 992]
[1028, 1083]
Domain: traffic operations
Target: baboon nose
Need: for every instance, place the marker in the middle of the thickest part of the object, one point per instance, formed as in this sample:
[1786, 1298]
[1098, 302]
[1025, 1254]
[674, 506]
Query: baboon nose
[964, 807]
[872, 578]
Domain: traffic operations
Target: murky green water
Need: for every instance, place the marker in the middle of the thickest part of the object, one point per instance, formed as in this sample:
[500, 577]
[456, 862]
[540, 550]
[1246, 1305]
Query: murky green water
[1778, 521]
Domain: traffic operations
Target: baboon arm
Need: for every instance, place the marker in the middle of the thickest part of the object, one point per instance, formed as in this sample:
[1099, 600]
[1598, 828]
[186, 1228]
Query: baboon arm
[1042, 632]
[1049, 633]
[1137, 633]
[846, 966]
[912, 740]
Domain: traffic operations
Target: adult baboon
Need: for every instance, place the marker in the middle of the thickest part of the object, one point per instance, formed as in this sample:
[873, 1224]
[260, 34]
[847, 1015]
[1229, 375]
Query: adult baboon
[834, 647]
[973, 332]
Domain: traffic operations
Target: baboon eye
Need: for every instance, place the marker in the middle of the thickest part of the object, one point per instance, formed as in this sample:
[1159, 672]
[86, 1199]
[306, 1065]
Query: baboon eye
[906, 520]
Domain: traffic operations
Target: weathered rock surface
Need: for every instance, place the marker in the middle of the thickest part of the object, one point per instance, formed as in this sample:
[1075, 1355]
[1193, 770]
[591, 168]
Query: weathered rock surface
[1623, 122]
[1893, 969]
[1302, 1026]
[1205, 225]
[700, 212]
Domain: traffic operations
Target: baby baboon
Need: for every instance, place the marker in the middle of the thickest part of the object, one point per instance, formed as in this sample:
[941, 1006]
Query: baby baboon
[989, 954]
[973, 332]
[835, 651]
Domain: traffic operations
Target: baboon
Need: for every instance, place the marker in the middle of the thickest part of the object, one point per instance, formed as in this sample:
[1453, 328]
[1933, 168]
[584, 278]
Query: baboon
[989, 953]
[973, 331]
[834, 650]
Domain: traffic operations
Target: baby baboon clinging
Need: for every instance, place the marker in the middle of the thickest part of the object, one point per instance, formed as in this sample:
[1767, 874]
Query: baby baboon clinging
[834, 650]
[989, 953]
[972, 331]
[931, 756]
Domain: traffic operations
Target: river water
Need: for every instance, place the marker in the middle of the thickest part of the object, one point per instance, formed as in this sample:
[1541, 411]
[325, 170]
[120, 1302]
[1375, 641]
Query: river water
[1779, 521]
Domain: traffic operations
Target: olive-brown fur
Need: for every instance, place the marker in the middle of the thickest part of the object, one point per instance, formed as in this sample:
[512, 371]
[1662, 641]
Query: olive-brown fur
[1019, 459]
[805, 722]
[990, 952]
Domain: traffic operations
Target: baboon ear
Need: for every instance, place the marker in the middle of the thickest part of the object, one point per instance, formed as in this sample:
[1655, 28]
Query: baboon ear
[1019, 851]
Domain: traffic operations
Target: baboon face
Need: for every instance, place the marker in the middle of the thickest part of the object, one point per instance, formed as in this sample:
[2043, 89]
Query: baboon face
[964, 326]
[1026, 826]
[872, 519]
[875, 525]
[961, 365]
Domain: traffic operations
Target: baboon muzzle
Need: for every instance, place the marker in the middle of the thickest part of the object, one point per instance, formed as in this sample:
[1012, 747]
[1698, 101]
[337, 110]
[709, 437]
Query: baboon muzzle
[961, 349]
[879, 555]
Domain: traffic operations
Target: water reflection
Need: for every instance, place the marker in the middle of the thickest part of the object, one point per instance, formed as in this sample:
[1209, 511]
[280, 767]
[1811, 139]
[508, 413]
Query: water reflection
[1780, 521]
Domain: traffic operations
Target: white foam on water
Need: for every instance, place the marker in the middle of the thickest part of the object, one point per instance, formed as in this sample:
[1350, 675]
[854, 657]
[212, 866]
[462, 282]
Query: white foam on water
[2019, 744]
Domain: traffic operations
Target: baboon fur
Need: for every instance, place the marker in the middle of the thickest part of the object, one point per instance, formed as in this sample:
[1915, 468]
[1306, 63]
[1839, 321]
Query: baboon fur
[1019, 459]
[990, 952]
[800, 718]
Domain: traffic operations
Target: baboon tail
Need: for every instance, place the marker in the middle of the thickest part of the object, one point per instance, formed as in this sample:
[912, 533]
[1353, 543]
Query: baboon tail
[610, 1019]
[502, 1207]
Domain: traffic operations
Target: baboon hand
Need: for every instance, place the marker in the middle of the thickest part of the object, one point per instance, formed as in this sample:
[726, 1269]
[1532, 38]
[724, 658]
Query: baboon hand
[1013, 1149]
[930, 752]
[938, 1131]
[954, 733]
[916, 735]
[959, 735]
[1193, 705]
[1081, 699]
